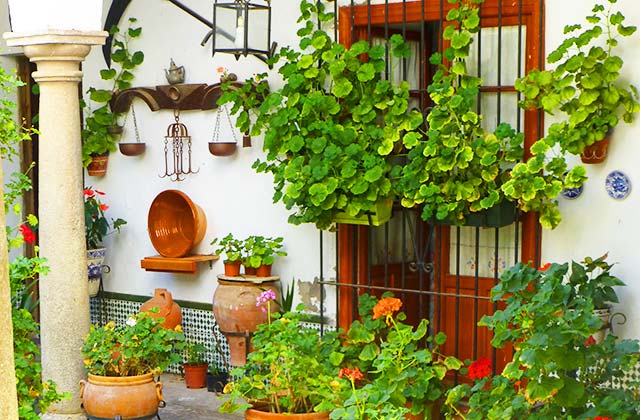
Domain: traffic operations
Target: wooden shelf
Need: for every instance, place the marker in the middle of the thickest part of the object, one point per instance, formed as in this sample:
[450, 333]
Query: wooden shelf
[185, 265]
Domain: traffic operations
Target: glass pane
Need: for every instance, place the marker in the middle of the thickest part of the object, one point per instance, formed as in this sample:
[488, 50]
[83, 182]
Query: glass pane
[489, 55]
[508, 111]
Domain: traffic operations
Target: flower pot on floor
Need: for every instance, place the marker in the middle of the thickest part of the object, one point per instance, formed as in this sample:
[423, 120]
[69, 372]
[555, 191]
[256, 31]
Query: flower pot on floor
[127, 397]
[216, 383]
[252, 414]
[195, 376]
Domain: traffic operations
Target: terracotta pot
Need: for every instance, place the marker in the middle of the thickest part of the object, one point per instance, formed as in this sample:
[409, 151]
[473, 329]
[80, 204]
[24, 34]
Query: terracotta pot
[264, 271]
[249, 271]
[95, 258]
[252, 414]
[168, 309]
[195, 376]
[597, 152]
[235, 311]
[222, 148]
[176, 224]
[604, 314]
[127, 397]
[232, 269]
[132, 149]
[98, 165]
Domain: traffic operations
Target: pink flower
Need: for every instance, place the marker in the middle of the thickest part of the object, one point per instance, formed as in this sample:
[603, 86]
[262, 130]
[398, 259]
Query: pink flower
[27, 234]
[265, 297]
[479, 369]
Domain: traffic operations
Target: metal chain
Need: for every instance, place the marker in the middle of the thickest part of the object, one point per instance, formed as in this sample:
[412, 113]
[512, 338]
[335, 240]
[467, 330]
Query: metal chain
[135, 123]
[216, 128]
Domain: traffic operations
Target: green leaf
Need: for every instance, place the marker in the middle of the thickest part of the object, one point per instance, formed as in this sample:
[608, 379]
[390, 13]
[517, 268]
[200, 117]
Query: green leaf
[366, 72]
[369, 352]
[100, 95]
[342, 88]
[107, 74]
[373, 174]
[137, 58]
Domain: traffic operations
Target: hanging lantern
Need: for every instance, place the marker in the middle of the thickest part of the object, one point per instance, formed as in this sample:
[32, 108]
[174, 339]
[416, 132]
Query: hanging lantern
[232, 20]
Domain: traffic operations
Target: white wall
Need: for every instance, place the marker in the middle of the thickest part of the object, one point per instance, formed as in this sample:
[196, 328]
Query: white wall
[234, 198]
[594, 223]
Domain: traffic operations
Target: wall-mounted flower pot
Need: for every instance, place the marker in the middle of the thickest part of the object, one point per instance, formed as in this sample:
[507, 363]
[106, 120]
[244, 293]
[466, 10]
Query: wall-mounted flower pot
[222, 148]
[98, 165]
[132, 149]
[597, 152]
[381, 215]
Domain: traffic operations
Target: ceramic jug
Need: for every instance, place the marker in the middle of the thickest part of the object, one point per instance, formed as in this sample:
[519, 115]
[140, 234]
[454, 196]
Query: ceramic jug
[174, 73]
[167, 308]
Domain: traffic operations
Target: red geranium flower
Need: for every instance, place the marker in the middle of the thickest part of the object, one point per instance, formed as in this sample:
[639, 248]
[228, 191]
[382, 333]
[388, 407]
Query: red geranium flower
[352, 374]
[601, 418]
[27, 234]
[545, 267]
[479, 369]
[386, 306]
[589, 342]
[99, 192]
[103, 207]
[88, 192]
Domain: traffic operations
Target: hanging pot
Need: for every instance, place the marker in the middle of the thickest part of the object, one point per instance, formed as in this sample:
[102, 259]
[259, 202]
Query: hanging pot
[236, 313]
[222, 148]
[95, 258]
[167, 308]
[604, 314]
[132, 149]
[126, 397]
[597, 152]
[98, 165]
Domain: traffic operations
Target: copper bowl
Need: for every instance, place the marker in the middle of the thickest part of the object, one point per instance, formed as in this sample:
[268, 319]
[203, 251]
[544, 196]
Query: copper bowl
[176, 224]
[222, 148]
[132, 149]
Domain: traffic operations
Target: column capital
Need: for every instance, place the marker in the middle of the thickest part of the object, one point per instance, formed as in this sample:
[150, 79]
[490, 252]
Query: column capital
[57, 52]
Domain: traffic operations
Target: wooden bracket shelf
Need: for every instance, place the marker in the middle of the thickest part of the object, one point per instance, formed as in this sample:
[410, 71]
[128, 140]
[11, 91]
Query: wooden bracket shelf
[183, 97]
[184, 265]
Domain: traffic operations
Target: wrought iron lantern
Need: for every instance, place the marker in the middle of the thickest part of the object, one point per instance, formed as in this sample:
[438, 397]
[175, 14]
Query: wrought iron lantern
[232, 20]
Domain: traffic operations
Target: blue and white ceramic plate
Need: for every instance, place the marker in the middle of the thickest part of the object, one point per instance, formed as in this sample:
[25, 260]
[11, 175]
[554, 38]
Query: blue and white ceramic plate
[618, 185]
[572, 193]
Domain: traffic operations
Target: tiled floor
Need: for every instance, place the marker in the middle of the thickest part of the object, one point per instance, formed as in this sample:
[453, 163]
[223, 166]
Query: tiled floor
[190, 404]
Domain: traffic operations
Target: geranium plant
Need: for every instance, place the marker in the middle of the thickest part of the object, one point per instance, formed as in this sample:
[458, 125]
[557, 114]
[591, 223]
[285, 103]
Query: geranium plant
[558, 370]
[97, 226]
[138, 347]
[390, 368]
[261, 250]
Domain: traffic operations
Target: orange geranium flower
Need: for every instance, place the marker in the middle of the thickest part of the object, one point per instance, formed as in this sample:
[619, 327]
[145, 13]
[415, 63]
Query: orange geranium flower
[386, 306]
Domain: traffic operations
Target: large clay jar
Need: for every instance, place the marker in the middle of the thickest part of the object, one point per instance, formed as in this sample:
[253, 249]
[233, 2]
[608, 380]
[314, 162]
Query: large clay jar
[127, 397]
[167, 308]
[236, 313]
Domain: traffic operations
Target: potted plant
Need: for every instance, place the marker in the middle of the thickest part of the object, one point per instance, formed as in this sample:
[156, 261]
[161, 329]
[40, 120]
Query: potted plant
[391, 370]
[233, 249]
[121, 362]
[97, 226]
[330, 130]
[217, 378]
[102, 127]
[558, 370]
[457, 169]
[261, 252]
[195, 365]
[585, 84]
[380, 369]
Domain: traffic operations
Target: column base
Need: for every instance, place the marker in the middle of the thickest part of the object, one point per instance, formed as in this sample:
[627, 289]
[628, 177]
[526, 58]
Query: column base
[51, 416]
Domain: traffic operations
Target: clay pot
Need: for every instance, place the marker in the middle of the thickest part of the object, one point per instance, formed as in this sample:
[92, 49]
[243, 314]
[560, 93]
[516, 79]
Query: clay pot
[176, 224]
[167, 308]
[597, 152]
[98, 165]
[132, 149]
[127, 397]
[235, 311]
[249, 271]
[252, 414]
[222, 148]
[232, 269]
[195, 376]
[263, 271]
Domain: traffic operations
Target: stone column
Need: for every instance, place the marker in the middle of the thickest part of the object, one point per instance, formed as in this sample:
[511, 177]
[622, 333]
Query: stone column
[64, 295]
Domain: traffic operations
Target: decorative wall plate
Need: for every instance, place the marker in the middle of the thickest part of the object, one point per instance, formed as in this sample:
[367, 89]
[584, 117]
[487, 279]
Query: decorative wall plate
[618, 185]
[572, 193]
